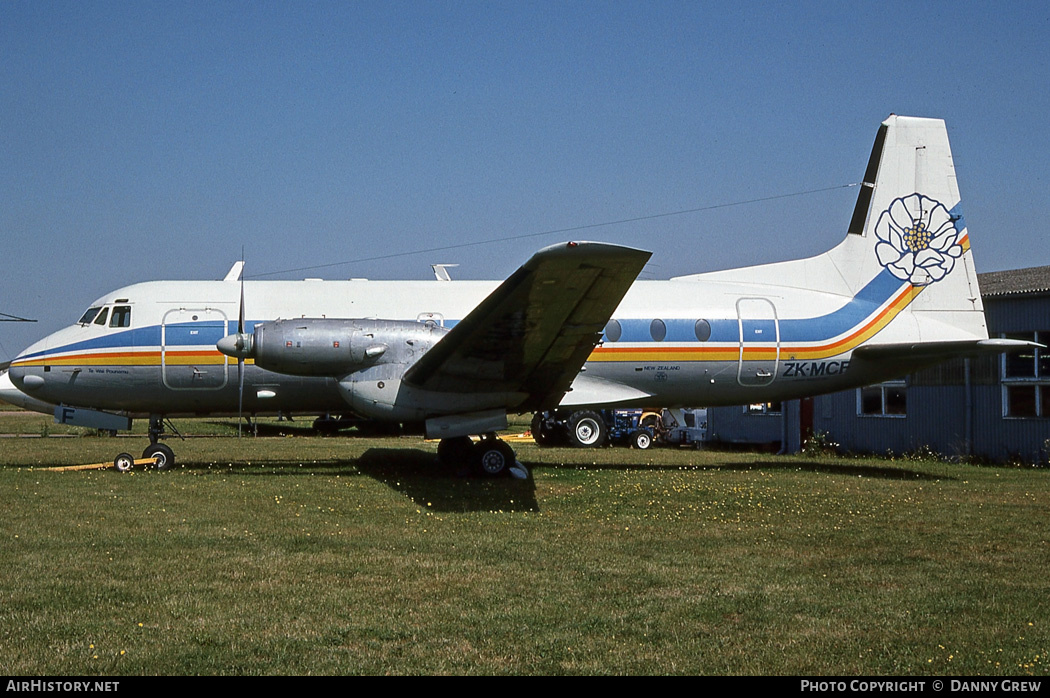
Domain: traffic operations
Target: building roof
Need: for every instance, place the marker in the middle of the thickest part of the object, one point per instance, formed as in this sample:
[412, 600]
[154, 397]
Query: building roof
[1033, 280]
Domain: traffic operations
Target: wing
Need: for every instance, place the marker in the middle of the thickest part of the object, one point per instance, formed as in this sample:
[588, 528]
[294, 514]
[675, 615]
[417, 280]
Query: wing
[532, 335]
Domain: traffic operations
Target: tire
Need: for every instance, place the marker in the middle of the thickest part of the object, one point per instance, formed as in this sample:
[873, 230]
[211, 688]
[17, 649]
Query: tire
[455, 451]
[326, 426]
[587, 429]
[641, 439]
[163, 457]
[493, 457]
[541, 433]
[124, 462]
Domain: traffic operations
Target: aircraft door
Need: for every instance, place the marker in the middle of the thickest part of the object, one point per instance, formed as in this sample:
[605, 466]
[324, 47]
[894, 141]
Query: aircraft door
[759, 341]
[188, 357]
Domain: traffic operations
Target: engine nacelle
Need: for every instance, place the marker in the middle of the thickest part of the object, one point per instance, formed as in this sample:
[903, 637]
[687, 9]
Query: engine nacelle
[329, 347]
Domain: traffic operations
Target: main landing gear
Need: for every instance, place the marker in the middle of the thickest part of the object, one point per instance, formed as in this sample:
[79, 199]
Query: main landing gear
[489, 457]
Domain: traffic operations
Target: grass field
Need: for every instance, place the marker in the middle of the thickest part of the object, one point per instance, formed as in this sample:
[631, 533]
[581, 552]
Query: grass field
[352, 555]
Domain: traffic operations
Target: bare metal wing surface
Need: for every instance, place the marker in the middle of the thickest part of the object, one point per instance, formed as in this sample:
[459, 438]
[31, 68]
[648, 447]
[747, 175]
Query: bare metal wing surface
[532, 335]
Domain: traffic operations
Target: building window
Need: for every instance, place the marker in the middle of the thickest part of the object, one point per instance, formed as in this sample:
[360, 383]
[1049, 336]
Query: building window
[883, 400]
[763, 408]
[1026, 378]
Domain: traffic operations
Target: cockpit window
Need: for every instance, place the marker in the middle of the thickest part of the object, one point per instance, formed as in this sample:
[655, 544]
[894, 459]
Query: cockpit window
[88, 316]
[121, 316]
[101, 319]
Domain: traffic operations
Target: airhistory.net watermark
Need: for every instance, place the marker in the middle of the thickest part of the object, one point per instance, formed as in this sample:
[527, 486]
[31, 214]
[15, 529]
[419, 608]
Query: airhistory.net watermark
[49, 686]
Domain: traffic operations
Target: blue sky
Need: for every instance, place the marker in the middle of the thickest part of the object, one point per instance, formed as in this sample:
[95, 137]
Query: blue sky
[147, 140]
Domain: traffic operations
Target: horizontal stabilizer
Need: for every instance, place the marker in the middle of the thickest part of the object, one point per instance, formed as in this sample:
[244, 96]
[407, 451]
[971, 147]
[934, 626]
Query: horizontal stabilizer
[925, 352]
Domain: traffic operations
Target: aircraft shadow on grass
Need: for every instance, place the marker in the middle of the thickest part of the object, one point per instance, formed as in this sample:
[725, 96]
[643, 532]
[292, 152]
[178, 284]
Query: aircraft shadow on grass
[417, 475]
[815, 466]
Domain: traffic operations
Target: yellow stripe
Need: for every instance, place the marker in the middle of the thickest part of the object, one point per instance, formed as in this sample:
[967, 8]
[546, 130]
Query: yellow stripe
[171, 358]
[762, 353]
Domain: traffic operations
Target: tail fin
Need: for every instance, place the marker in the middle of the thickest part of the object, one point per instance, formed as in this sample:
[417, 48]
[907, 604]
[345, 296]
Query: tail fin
[908, 228]
[906, 256]
[908, 231]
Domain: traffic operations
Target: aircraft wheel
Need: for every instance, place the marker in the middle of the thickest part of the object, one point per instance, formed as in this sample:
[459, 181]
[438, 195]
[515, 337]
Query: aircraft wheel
[641, 439]
[326, 426]
[586, 429]
[455, 451]
[493, 457]
[542, 434]
[124, 462]
[163, 457]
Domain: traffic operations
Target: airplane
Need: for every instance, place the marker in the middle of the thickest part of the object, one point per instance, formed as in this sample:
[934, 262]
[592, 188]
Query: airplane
[570, 331]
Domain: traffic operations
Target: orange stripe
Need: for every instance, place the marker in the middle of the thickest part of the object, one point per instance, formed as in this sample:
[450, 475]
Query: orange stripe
[132, 358]
[752, 353]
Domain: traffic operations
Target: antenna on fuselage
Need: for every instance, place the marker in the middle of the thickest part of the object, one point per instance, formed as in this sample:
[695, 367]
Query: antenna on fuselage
[441, 271]
[236, 272]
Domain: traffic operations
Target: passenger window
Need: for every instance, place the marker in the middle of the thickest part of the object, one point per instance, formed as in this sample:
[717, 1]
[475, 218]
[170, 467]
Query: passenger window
[121, 316]
[101, 319]
[88, 316]
[702, 328]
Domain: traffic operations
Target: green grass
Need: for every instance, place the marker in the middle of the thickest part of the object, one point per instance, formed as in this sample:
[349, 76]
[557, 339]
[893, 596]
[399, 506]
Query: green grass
[347, 556]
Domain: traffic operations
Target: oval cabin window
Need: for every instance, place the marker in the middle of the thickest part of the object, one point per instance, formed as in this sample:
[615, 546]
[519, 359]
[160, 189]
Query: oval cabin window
[703, 330]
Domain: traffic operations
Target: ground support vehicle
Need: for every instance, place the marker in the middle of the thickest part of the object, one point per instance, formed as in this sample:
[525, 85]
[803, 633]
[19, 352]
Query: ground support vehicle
[635, 427]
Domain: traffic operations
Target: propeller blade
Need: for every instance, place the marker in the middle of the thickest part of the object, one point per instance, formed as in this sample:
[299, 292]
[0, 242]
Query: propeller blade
[240, 395]
[240, 357]
[240, 312]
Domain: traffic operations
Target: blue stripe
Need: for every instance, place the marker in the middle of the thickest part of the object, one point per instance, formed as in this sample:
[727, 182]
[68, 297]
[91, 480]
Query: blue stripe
[178, 335]
[867, 301]
[861, 307]
[679, 330]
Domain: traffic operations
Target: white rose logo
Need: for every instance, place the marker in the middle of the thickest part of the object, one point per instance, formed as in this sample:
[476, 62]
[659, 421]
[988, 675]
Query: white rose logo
[918, 241]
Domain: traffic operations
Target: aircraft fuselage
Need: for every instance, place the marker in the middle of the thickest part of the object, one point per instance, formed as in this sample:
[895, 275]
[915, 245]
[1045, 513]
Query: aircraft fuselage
[670, 343]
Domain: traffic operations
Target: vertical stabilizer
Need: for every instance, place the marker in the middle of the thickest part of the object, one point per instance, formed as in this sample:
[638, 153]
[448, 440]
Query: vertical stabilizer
[908, 225]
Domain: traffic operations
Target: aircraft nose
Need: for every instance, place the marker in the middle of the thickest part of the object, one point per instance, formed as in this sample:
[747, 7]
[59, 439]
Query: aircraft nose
[11, 394]
[24, 377]
[23, 380]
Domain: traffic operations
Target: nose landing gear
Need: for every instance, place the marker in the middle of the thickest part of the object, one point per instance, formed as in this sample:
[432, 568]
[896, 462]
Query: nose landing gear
[157, 455]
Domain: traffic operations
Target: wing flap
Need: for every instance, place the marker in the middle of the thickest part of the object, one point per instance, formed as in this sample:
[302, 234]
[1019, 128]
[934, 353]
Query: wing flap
[532, 335]
[589, 391]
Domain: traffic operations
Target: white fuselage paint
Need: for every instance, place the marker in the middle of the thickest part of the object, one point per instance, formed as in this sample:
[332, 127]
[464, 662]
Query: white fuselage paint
[903, 277]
